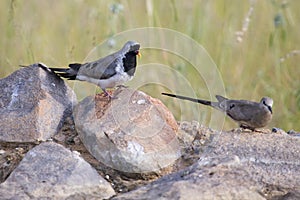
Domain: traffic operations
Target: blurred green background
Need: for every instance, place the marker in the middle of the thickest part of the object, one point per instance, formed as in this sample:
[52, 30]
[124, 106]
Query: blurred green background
[255, 44]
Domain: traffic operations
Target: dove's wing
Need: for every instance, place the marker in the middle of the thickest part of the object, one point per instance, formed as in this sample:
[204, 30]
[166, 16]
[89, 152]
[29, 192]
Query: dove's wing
[103, 68]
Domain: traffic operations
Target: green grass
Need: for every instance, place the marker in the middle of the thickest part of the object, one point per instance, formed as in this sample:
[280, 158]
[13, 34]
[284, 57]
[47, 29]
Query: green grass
[59, 32]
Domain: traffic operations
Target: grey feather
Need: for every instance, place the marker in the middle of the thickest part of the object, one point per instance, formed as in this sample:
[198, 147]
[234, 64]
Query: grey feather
[107, 72]
[106, 67]
[247, 114]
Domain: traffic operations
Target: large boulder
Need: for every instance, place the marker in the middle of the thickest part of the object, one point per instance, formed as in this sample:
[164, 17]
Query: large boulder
[33, 104]
[234, 166]
[50, 171]
[132, 133]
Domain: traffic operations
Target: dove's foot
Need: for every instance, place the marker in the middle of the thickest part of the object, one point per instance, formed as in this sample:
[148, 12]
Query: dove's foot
[109, 95]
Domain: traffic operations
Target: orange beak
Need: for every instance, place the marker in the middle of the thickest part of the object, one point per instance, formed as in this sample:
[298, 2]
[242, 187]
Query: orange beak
[139, 55]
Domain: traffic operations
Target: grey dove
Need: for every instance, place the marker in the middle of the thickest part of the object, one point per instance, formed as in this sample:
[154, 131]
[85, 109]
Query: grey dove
[107, 72]
[247, 114]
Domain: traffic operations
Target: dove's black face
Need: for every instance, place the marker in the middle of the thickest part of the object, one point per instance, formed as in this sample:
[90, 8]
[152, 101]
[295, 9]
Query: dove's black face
[129, 62]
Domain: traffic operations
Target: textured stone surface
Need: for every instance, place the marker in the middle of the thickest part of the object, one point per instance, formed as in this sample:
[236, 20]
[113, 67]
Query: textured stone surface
[234, 166]
[50, 171]
[133, 133]
[33, 104]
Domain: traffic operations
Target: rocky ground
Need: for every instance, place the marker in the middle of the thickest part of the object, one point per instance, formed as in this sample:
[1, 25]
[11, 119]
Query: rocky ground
[12, 153]
[195, 139]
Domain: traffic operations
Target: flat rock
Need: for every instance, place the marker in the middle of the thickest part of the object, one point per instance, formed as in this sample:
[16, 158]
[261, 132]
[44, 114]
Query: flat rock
[33, 104]
[50, 171]
[133, 133]
[234, 166]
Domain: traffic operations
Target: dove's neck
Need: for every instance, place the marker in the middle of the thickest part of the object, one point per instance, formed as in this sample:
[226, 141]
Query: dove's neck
[129, 62]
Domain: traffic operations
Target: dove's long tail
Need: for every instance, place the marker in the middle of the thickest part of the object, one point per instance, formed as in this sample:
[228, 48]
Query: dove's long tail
[204, 102]
[69, 73]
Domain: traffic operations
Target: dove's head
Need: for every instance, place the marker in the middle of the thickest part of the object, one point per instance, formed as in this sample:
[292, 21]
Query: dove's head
[131, 47]
[268, 102]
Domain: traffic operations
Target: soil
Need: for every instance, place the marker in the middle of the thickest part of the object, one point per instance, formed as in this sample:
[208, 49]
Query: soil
[191, 139]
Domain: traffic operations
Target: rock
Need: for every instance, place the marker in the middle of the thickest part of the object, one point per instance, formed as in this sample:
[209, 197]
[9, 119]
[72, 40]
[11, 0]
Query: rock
[234, 166]
[134, 133]
[50, 171]
[33, 104]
